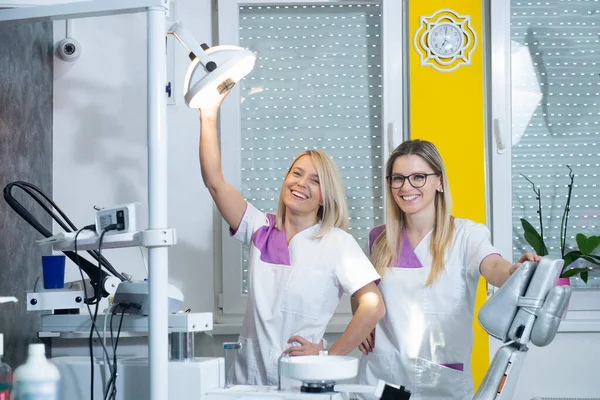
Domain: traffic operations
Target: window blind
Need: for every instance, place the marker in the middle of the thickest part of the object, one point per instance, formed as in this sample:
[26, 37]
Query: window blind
[562, 40]
[317, 84]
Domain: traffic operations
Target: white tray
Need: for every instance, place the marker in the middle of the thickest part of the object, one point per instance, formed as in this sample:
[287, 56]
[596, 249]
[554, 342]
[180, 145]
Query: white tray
[319, 368]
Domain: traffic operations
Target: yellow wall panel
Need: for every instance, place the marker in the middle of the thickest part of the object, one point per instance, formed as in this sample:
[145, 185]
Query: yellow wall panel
[447, 108]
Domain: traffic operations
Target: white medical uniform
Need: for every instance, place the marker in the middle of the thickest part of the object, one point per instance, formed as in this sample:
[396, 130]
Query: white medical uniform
[292, 290]
[424, 342]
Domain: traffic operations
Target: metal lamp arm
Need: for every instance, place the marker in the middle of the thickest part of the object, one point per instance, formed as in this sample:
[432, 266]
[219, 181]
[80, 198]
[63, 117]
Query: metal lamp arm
[196, 50]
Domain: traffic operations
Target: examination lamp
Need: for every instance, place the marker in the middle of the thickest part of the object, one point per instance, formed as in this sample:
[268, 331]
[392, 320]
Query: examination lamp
[213, 70]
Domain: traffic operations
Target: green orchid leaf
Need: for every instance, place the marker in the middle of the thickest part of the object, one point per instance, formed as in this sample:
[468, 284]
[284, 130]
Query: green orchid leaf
[591, 260]
[571, 257]
[594, 257]
[534, 242]
[587, 244]
[572, 272]
[544, 249]
[533, 238]
[527, 227]
[584, 276]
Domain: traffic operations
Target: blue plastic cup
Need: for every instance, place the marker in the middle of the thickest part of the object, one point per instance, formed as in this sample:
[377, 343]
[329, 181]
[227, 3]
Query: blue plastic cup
[53, 271]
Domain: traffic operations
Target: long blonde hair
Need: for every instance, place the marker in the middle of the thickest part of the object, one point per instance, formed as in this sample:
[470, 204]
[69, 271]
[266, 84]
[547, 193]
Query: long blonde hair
[334, 211]
[387, 247]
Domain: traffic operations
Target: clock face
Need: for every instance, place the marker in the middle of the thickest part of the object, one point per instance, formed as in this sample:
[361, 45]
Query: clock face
[445, 40]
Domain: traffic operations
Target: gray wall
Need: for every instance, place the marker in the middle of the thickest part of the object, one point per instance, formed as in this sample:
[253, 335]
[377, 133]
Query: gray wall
[25, 154]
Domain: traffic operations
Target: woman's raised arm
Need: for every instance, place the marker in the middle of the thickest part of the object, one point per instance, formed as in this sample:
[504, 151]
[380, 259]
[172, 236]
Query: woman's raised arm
[229, 201]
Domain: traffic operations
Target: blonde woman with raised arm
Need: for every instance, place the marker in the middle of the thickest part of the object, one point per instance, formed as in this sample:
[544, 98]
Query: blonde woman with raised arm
[301, 261]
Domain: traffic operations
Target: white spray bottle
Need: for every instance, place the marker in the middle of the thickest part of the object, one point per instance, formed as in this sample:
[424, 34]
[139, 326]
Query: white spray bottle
[38, 378]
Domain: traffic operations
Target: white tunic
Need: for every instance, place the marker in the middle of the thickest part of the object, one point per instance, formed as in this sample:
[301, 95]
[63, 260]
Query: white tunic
[292, 290]
[424, 342]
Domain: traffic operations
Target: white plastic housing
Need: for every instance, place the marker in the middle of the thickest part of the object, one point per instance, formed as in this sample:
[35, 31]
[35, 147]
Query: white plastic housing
[319, 368]
[233, 63]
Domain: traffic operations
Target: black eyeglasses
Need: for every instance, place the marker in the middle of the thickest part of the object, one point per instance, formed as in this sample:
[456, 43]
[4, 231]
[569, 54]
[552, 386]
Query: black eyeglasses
[415, 180]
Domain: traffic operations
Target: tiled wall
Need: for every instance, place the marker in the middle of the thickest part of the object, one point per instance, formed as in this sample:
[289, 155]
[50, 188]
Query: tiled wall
[25, 154]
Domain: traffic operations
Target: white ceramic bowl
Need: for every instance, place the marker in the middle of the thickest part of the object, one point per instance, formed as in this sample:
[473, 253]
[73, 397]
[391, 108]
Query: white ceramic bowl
[319, 368]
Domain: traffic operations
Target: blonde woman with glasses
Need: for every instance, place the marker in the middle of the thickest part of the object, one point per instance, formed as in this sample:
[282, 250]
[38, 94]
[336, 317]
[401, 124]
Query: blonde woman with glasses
[301, 261]
[430, 264]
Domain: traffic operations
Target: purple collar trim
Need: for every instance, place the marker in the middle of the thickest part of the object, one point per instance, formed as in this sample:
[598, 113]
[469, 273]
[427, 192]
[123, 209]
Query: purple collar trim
[407, 259]
[272, 243]
[454, 366]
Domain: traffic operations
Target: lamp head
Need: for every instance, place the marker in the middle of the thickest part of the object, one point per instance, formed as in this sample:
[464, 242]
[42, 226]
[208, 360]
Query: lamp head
[232, 64]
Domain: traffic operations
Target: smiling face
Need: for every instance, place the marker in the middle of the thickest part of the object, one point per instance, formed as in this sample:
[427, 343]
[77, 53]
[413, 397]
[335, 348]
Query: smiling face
[302, 188]
[411, 200]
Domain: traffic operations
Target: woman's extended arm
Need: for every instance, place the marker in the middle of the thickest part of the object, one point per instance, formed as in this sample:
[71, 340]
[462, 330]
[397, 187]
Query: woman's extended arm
[496, 270]
[229, 201]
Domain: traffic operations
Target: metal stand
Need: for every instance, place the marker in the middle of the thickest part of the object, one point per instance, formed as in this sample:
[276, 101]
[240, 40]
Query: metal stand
[158, 265]
[182, 346]
[283, 355]
[317, 387]
[229, 346]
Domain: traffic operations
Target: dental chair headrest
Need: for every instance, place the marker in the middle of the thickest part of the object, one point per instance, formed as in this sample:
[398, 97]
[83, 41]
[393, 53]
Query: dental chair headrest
[529, 305]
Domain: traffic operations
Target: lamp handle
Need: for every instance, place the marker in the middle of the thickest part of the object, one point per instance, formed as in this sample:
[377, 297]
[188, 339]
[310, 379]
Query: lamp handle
[187, 40]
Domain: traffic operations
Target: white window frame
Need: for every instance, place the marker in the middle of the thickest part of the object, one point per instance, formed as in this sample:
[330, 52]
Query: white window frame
[232, 302]
[584, 307]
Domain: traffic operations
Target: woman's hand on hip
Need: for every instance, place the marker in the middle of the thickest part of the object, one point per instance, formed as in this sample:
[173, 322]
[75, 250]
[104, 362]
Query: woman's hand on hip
[302, 347]
[368, 344]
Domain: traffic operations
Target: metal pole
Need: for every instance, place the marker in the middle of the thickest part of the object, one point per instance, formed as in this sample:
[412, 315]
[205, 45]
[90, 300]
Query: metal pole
[158, 350]
[158, 268]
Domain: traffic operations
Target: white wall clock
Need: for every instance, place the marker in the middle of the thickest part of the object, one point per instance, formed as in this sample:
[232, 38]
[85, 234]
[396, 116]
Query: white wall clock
[445, 40]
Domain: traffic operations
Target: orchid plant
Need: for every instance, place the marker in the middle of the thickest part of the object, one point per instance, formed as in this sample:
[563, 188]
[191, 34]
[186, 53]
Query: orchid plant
[586, 245]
